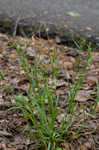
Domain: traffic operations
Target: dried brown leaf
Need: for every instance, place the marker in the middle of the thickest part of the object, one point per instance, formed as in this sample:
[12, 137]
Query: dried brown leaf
[82, 95]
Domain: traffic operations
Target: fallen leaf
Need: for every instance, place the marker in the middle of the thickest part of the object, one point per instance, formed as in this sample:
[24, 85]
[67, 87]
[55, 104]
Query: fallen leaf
[3, 37]
[88, 145]
[91, 83]
[2, 146]
[56, 83]
[83, 147]
[68, 65]
[11, 148]
[82, 95]
[5, 133]
[13, 56]
[91, 78]
[0, 49]
[67, 146]
[88, 28]
[97, 107]
[73, 14]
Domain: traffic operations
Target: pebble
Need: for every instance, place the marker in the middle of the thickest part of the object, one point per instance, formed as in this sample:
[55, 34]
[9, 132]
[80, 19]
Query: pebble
[30, 53]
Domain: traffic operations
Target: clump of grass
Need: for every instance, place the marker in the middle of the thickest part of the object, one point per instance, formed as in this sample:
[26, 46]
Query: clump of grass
[96, 100]
[40, 107]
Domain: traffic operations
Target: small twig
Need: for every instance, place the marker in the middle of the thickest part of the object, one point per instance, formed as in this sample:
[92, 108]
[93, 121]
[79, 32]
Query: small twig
[16, 26]
[22, 32]
[17, 23]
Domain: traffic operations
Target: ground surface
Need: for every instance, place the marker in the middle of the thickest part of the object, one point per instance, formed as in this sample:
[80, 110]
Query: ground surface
[63, 17]
[12, 124]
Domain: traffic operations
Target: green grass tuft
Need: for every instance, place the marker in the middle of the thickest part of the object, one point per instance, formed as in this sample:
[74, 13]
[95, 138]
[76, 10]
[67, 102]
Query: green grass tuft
[40, 107]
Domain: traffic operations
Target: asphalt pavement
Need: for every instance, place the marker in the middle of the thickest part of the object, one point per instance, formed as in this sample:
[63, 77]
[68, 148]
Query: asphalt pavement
[63, 18]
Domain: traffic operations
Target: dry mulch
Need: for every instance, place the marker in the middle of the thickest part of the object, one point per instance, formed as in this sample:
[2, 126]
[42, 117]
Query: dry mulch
[11, 122]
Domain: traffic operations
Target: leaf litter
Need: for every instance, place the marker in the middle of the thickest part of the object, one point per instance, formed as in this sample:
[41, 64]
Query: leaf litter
[84, 133]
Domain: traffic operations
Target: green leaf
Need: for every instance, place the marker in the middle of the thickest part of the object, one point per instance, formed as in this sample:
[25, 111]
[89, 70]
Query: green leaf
[21, 99]
[59, 149]
[73, 14]
[1, 75]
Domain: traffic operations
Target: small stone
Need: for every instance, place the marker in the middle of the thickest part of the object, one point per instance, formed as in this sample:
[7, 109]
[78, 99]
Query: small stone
[60, 117]
[44, 59]
[47, 29]
[30, 53]
[46, 101]
[57, 39]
